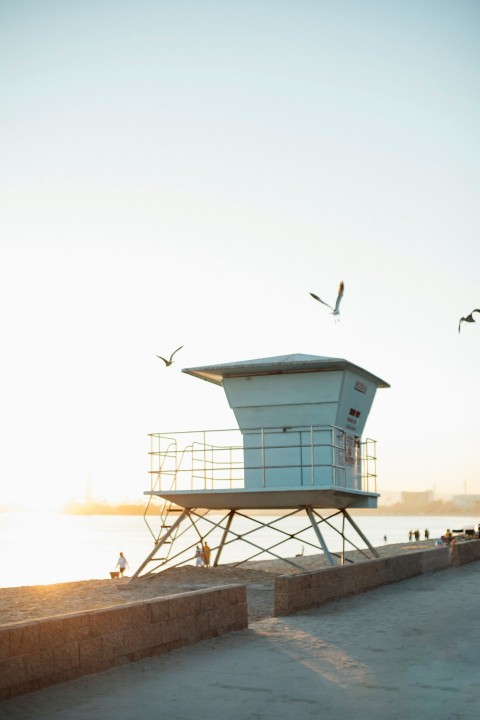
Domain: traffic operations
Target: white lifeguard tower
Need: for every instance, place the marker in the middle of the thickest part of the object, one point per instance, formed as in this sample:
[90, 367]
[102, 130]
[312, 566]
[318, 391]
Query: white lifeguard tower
[298, 449]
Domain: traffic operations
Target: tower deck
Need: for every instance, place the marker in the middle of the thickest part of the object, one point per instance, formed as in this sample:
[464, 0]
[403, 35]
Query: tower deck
[259, 499]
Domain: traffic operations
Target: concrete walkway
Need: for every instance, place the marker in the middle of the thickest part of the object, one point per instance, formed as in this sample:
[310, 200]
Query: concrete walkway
[403, 651]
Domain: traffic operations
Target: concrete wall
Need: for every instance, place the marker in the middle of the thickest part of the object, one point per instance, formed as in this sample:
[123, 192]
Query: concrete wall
[312, 589]
[465, 552]
[44, 652]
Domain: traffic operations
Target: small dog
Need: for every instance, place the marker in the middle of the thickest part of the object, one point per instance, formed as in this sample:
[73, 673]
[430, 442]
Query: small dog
[114, 574]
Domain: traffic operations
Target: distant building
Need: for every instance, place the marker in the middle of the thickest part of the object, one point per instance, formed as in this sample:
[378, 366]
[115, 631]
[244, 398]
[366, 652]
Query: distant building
[389, 498]
[463, 502]
[88, 491]
[416, 499]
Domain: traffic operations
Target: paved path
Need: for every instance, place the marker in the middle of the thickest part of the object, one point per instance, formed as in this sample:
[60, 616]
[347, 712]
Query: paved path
[409, 650]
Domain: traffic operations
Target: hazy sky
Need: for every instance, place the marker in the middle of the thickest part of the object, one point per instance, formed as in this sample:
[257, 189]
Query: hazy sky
[185, 172]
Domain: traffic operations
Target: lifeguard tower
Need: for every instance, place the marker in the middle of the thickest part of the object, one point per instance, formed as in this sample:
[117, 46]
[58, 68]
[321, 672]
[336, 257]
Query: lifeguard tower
[297, 451]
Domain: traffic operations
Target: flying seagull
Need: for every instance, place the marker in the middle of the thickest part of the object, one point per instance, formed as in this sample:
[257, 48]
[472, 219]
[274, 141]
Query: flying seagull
[335, 310]
[170, 361]
[469, 318]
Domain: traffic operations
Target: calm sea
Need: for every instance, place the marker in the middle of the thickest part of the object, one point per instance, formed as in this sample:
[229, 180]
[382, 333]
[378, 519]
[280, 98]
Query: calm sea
[39, 549]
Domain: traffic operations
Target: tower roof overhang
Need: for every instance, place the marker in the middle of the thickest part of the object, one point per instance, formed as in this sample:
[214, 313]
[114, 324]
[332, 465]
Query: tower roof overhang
[279, 365]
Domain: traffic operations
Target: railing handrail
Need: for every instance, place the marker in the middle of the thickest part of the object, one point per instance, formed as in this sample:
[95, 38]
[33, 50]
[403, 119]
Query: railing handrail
[254, 428]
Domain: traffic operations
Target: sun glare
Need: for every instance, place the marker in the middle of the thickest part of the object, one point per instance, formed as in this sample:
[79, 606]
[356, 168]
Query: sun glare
[40, 503]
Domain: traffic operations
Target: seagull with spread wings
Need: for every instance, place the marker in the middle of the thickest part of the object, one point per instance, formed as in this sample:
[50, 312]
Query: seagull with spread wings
[469, 318]
[335, 310]
[170, 361]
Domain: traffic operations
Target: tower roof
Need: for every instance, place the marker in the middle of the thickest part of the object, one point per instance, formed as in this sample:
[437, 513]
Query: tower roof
[278, 365]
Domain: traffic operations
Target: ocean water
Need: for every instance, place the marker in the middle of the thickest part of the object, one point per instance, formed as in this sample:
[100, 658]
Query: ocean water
[39, 549]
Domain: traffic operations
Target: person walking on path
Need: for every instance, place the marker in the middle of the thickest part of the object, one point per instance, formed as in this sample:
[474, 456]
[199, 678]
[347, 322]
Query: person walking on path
[206, 554]
[122, 563]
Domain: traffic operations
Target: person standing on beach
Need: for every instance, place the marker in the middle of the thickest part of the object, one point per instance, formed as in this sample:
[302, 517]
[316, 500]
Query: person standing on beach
[206, 554]
[122, 563]
[198, 556]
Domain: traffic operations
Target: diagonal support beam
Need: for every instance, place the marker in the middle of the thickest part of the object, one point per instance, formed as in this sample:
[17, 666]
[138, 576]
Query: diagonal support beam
[331, 560]
[365, 540]
[231, 515]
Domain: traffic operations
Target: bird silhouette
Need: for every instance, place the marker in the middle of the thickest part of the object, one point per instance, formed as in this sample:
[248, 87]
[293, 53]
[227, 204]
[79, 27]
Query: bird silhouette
[335, 310]
[469, 318]
[170, 361]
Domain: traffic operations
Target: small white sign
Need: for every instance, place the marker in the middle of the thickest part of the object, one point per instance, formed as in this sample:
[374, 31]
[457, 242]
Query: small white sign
[350, 450]
[360, 386]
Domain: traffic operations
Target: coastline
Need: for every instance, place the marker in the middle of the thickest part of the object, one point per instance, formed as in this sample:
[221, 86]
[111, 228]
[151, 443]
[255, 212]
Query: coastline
[27, 603]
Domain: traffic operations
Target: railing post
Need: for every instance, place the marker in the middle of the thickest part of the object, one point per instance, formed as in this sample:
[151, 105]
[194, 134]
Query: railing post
[333, 455]
[204, 461]
[152, 486]
[263, 458]
[312, 454]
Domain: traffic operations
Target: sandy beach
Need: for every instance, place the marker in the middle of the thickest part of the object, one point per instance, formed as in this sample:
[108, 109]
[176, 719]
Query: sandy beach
[19, 604]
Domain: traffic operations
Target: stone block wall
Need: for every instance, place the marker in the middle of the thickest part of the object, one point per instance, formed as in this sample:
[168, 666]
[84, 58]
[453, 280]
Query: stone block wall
[312, 589]
[465, 552]
[44, 652]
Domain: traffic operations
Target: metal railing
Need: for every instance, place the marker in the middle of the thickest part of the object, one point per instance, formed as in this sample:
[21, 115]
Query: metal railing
[224, 459]
[369, 465]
